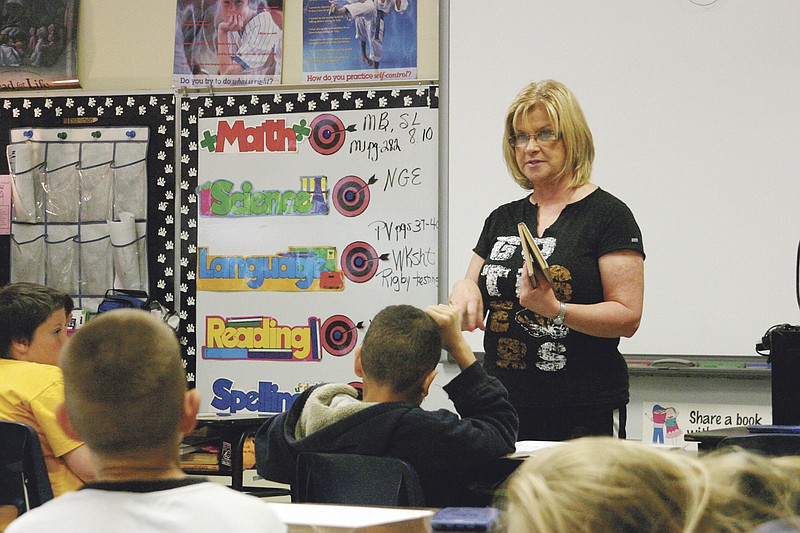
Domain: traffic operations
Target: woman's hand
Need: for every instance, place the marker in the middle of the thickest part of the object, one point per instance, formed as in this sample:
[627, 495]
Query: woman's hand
[541, 300]
[620, 312]
[466, 298]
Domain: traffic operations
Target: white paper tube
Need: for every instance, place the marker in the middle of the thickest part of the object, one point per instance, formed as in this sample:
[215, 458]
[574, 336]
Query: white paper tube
[126, 255]
[20, 161]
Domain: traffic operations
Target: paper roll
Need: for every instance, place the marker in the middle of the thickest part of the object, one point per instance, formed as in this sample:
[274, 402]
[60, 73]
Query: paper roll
[20, 161]
[126, 254]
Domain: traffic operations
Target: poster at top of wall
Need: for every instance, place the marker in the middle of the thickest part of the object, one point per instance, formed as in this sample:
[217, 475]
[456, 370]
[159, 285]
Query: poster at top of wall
[38, 45]
[228, 43]
[359, 41]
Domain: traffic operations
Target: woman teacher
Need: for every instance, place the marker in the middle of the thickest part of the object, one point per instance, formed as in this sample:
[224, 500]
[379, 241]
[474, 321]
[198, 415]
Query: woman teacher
[555, 346]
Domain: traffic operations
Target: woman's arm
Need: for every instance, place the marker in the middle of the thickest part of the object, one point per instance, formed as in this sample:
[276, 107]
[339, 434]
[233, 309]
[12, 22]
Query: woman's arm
[618, 315]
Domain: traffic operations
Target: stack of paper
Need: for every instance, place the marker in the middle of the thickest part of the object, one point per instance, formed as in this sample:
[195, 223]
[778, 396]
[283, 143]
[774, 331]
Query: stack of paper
[322, 518]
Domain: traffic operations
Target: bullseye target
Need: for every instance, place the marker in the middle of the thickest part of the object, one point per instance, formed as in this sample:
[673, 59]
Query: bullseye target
[327, 134]
[350, 196]
[359, 262]
[339, 335]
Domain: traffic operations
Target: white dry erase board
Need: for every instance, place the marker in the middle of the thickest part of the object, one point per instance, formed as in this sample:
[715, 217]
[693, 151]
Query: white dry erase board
[693, 108]
[306, 214]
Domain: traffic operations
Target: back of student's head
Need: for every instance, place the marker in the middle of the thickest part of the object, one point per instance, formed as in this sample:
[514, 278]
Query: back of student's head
[124, 382]
[402, 345]
[24, 307]
[601, 484]
[749, 489]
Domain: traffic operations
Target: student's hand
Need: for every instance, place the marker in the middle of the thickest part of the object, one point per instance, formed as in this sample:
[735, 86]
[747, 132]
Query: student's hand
[448, 318]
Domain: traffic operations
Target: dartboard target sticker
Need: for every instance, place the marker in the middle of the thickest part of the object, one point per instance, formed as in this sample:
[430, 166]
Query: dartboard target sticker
[359, 262]
[327, 134]
[350, 196]
[339, 335]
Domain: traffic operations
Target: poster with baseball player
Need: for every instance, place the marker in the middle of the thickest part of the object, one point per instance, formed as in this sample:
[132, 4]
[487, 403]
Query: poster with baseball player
[228, 43]
[359, 40]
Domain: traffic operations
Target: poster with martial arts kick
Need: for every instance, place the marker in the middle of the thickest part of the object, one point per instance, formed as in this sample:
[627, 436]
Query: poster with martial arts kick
[355, 41]
[307, 213]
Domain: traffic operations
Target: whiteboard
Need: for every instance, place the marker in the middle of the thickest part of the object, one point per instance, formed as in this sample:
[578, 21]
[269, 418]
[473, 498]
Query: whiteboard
[313, 211]
[693, 108]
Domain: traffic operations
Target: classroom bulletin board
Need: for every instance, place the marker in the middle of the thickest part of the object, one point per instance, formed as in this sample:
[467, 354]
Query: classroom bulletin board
[86, 166]
[304, 214]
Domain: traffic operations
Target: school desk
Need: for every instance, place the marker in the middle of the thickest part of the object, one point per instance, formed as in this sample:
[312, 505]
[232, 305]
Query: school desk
[229, 434]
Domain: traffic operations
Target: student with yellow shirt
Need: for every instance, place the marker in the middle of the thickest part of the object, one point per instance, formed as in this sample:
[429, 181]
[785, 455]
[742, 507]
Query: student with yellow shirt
[33, 328]
[134, 430]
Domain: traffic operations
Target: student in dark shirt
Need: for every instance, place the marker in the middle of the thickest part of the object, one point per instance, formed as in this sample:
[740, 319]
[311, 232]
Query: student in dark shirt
[397, 362]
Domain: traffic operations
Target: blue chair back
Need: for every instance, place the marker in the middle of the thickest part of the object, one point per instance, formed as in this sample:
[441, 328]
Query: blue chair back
[24, 482]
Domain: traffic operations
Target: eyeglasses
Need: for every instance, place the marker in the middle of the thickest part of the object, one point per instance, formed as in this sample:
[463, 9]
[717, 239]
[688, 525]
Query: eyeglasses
[542, 137]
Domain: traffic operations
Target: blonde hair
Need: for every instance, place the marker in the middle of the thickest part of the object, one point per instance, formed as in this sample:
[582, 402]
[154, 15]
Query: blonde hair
[568, 122]
[600, 484]
[748, 489]
[124, 382]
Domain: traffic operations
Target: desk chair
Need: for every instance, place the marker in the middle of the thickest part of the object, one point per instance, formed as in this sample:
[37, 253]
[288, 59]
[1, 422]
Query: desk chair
[24, 482]
[356, 480]
[775, 444]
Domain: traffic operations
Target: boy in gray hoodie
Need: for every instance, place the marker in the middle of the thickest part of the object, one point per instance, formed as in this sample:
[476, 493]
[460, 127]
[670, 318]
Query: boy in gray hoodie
[397, 363]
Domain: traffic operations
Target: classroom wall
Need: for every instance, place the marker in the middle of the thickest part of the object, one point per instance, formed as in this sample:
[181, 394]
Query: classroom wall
[666, 88]
[124, 45]
[127, 46]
